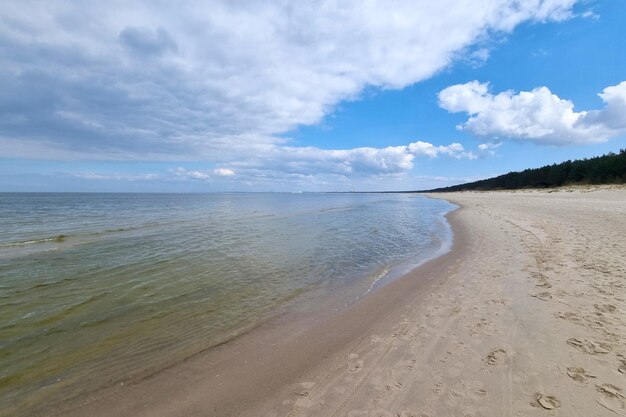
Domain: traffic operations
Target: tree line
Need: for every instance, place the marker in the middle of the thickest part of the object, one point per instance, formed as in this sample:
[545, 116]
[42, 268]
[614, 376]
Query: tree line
[605, 169]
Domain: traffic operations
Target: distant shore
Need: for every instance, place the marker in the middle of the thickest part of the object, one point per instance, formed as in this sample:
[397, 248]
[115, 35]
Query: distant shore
[523, 316]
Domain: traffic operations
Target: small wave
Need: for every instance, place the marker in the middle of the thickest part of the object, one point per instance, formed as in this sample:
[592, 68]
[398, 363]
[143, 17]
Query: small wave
[27, 247]
[52, 239]
[94, 322]
[333, 209]
[120, 229]
[377, 278]
[63, 238]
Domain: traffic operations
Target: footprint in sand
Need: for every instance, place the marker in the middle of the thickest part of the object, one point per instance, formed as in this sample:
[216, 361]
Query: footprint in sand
[479, 393]
[496, 357]
[304, 402]
[548, 402]
[438, 388]
[605, 308]
[303, 394]
[354, 365]
[588, 346]
[611, 398]
[542, 281]
[543, 296]
[569, 316]
[480, 327]
[578, 374]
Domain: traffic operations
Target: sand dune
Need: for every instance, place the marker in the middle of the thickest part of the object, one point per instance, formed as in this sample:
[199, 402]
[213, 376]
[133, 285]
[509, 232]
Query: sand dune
[525, 317]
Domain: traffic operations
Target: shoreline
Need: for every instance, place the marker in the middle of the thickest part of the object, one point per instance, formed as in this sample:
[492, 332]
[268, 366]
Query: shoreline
[191, 299]
[312, 337]
[524, 316]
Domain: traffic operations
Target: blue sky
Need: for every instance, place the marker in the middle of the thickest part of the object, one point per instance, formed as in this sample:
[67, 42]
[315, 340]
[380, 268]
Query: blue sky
[268, 96]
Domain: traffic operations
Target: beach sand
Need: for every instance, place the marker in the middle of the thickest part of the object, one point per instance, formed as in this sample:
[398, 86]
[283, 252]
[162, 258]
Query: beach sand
[526, 316]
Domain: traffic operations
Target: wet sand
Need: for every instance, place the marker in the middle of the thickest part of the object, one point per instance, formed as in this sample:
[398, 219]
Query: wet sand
[525, 316]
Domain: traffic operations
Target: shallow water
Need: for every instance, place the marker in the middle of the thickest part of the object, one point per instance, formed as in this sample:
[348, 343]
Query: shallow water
[101, 288]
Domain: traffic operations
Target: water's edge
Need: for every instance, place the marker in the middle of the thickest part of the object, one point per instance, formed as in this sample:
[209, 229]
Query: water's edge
[306, 305]
[312, 340]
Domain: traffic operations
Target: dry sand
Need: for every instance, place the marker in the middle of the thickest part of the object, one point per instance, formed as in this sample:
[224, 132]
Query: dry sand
[525, 317]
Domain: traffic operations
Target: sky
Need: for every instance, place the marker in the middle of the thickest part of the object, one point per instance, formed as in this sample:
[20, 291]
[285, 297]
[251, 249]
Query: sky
[152, 96]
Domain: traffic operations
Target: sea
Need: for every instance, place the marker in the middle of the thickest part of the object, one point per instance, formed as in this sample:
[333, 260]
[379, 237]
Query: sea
[98, 289]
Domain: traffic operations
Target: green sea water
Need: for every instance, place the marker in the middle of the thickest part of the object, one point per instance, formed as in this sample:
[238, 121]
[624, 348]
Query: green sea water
[98, 289]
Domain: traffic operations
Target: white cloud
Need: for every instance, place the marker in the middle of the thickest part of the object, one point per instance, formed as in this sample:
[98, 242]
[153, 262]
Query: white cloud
[489, 145]
[454, 150]
[589, 14]
[224, 172]
[200, 80]
[488, 148]
[312, 168]
[190, 174]
[283, 167]
[538, 115]
[274, 161]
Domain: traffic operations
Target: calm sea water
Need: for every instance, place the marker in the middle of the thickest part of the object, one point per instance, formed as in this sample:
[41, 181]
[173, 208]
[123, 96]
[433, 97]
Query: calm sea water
[100, 288]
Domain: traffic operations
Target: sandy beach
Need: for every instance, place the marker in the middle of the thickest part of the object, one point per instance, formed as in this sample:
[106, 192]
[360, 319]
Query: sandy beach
[525, 316]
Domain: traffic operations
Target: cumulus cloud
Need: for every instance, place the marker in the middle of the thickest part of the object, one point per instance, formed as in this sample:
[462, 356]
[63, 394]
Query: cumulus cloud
[198, 80]
[358, 162]
[454, 150]
[488, 148]
[306, 162]
[314, 168]
[538, 115]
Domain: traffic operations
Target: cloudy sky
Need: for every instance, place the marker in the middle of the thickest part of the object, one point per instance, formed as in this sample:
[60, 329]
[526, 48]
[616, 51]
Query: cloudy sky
[315, 96]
